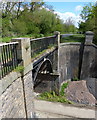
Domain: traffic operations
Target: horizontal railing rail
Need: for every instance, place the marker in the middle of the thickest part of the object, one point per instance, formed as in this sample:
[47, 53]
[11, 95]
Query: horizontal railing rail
[40, 44]
[8, 58]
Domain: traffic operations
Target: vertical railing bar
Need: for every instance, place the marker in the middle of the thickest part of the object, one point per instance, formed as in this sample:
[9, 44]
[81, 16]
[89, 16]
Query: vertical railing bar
[11, 65]
[13, 50]
[9, 54]
[8, 59]
[5, 69]
[12, 56]
[15, 57]
[2, 60]
[1, 63]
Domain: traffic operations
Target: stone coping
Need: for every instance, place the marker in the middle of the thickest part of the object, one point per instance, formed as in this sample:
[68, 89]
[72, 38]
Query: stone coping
[93, 45]
[70, 43]
[6, 81]
[10, 43]
[77, 43]
[42, 38]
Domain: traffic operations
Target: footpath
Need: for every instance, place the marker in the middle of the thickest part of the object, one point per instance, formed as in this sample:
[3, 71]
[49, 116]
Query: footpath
[45, 109]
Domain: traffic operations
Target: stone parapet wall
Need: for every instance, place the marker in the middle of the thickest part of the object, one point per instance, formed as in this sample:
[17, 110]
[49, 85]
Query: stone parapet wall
[29, 95]
[16, 93]
[17, 96]
[12, 99]
[89, 63]
[69, 61]
[77, 60]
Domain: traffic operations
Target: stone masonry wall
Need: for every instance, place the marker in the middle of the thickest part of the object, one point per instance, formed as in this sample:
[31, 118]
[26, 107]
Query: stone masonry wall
[89, 63]
[69, 61]
[12, 100]
[29, 97]
[70, 64]
[14, 103]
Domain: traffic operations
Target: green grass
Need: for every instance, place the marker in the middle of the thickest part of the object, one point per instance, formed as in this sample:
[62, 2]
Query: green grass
[5, 39]
[52, 96]
[63, 87]
[74, 38]
[8, 39]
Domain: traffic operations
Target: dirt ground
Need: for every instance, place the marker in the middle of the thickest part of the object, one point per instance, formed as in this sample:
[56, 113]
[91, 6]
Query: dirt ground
[78, 92]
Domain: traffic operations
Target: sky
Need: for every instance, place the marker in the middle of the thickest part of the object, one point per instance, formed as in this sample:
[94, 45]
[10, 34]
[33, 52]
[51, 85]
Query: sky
[67, 10]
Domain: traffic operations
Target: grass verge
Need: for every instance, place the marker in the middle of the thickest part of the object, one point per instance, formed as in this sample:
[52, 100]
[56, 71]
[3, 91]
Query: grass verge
[73, 38]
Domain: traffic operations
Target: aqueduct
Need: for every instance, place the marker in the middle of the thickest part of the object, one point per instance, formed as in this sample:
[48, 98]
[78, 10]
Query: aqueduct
[42, 60]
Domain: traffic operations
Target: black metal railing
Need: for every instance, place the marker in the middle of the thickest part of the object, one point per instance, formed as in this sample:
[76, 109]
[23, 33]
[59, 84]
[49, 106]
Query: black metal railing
[8, 57]
[40, 44]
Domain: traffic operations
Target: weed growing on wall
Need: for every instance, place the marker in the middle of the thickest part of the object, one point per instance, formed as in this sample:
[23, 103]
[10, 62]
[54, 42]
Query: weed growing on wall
[19, 69]
[63, 87]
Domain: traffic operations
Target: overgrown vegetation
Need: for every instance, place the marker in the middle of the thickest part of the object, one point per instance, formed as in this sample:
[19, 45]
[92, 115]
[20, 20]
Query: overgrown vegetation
[52, 96]
[74, 38]
[31, 19]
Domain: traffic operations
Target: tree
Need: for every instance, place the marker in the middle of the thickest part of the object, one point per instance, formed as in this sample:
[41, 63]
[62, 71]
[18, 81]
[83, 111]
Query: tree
[89, 15]
[21, 18]
[69, 25]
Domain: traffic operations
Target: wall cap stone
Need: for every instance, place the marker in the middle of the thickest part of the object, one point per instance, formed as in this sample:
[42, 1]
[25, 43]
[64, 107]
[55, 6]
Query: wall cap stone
[8, 80]
[70, 43]
[89, 33]
[56, 32]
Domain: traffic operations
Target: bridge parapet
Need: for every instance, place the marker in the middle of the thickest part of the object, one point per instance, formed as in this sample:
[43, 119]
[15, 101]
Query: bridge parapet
[17, 89]
[41, 44]
[8, 58]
